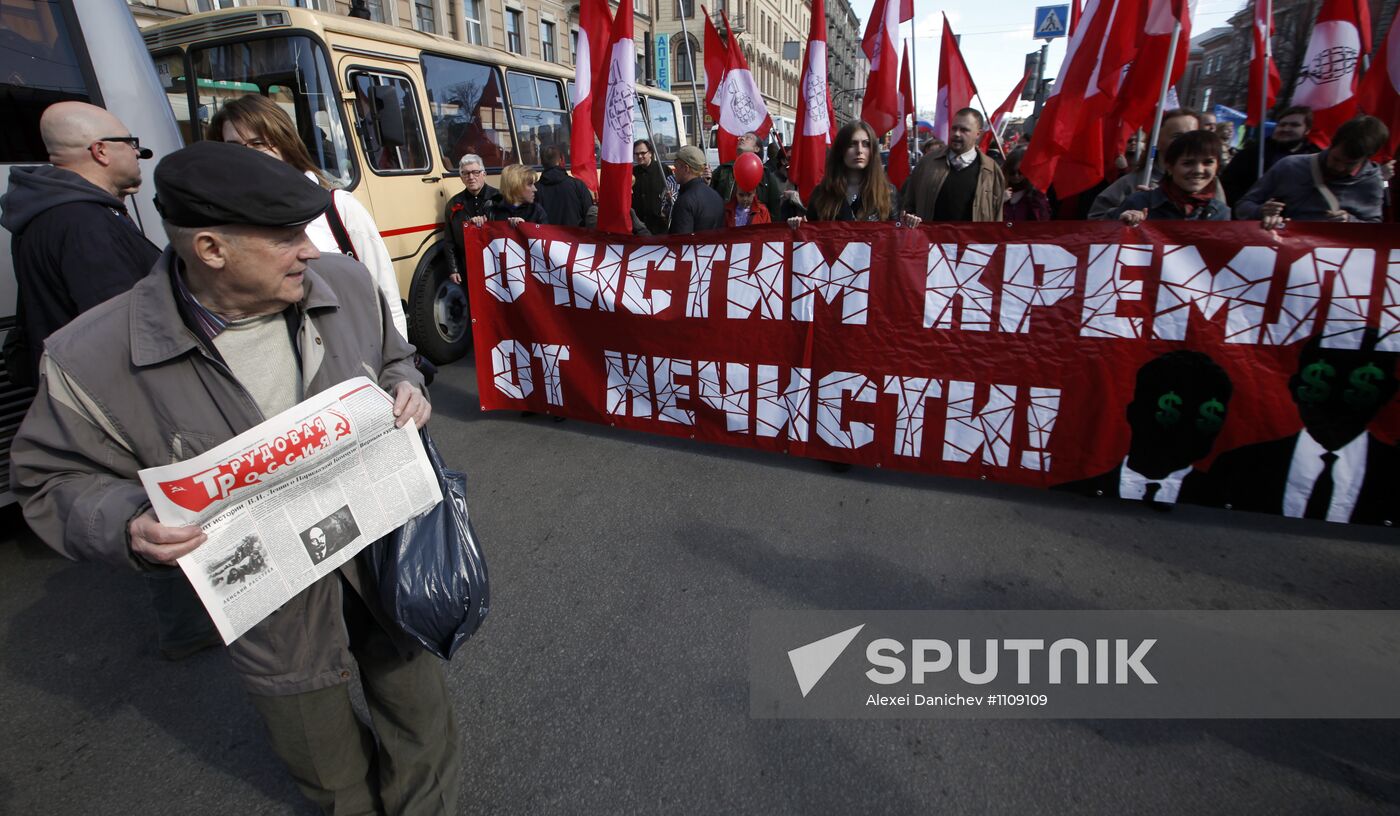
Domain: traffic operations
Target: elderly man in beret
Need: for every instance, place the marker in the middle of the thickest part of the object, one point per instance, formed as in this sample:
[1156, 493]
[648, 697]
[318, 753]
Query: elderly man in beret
[240, 319]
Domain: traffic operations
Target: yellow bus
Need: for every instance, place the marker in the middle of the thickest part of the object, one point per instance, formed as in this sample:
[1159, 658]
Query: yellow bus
[387, 113]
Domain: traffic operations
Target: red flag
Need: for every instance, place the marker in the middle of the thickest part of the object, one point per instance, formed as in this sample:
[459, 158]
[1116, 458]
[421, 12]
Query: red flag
[1068, 145]
[1262, 67]
[619, 100]
[1003, 113]
[741, 106]
[1328, 73]
[716, 59]
[1075, 10]
[880, 108]
[1142, 85]
[898, 169]
[1379, 94]
[816, 119]
[955, 88]
[594, 22]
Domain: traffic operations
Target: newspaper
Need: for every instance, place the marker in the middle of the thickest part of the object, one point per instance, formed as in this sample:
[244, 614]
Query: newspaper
[291, 500]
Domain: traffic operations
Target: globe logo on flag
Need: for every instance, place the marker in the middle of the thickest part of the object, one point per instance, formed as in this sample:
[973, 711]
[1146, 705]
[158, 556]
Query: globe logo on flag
[741, 102]
[619, 112]
[1329, 65]
[1332, 65]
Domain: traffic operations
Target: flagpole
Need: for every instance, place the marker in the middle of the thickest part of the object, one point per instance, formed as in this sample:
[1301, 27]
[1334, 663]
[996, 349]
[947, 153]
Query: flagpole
[1161, 103]
[982, 103]
[914, 81]
[1264, 75]
[695, 66]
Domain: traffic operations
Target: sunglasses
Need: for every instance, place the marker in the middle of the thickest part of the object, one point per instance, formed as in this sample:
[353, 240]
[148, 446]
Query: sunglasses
[130, 140]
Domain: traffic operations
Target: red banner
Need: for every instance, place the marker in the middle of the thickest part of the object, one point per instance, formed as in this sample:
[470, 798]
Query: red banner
[1202, 362]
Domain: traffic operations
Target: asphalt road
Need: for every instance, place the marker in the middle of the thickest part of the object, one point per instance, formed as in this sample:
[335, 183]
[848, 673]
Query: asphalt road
[611, 676]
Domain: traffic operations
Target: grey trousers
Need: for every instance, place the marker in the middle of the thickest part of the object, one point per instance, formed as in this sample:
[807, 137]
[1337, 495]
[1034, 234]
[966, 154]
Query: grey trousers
[412, 768]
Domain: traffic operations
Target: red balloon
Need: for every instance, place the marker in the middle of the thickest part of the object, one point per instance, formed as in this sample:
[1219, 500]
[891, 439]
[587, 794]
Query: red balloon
[748, 172]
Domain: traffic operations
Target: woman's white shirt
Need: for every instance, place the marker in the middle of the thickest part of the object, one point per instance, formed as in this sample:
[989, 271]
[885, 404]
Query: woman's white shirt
[364, 234]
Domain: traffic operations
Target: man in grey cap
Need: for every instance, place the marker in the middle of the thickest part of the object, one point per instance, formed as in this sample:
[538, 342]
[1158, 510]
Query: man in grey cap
[697, 207]
[240, 319]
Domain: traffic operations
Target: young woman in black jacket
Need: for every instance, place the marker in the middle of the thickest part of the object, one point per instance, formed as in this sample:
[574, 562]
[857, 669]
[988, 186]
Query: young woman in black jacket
[855, 187]
[517, 202]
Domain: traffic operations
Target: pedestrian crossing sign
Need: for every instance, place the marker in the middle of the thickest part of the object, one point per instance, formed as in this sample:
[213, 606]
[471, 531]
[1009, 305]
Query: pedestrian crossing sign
[1051, 22]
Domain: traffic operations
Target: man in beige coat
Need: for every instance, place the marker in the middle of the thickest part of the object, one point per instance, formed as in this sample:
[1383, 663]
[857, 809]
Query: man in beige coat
[958, 182]
[239, 320]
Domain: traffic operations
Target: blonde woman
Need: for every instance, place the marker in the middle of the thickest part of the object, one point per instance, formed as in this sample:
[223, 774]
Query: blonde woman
[257, 122]
[517, 202]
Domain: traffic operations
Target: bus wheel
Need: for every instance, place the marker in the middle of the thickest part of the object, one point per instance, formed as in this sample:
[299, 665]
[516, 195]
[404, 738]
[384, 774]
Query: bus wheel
[439, 321]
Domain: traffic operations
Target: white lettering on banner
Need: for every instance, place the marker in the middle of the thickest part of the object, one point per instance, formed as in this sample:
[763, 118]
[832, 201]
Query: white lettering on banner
[1390, 310]
[550, 356]
[701, 259]
[730, 395]
[549, 264]
[912, 392]
[504, 260]
[596, 287]
[1351, 293]
[988, 430]
[786, 409]
[831, 396]
[510, 369]
[640, 264]
[1241, 289]
[847, 278]
[1105, 287]
[664, 372]
[627, 377]
[759, 288]
[1044, 409]
[952, 279]
[1019, 289]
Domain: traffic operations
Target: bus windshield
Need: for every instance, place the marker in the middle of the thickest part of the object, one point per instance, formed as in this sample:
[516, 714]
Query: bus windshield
[666, 137]
[291, 71]
[38, 67]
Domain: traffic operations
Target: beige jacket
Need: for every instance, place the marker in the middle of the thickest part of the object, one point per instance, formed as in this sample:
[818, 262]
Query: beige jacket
[128, 386]
[921, 190]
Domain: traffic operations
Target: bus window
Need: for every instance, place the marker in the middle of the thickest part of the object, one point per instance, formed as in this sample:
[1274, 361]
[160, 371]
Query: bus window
[38, 67]
[469, 111]
[170, 68]
[389, 125]
[665, 136]
[291, 71]
[540, 116]
[639, 121]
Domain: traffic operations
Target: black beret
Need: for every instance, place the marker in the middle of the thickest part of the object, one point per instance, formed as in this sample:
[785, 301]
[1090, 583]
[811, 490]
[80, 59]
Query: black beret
[212, 183]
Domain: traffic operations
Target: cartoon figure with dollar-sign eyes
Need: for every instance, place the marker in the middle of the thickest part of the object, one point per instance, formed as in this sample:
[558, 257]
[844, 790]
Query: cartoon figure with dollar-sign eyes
[1178, 408]
[1333, 468]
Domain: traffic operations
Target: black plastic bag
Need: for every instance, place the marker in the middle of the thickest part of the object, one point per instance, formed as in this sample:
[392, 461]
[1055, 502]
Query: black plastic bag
[431, 571]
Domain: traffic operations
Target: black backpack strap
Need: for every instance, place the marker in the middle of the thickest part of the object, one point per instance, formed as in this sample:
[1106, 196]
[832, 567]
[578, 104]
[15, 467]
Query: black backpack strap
[342, 236]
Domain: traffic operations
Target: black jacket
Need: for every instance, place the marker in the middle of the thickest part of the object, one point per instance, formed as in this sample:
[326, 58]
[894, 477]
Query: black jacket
[531, 211]
[648, 186]
[74, 246]
[565, 199]
[463, 207]
[698, 208]
[1243, 170]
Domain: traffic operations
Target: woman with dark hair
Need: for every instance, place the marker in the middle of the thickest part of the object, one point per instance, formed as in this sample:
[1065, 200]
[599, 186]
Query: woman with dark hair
[517, 202]
[649, 187]
[854, 187]
[258, 122]
[1187, 191]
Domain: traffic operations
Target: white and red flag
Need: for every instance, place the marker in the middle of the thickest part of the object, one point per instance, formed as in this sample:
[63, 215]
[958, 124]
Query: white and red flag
[1067, 148]
[594, 23]
[1003, 113]
[619, 91]
[716, 60]
[880, 107]
[741, 106]
[1262, 68]
[1142, 84]
[1379, 94]
[899, 137]
[816, 119]
[1330, 67]
[955, 88]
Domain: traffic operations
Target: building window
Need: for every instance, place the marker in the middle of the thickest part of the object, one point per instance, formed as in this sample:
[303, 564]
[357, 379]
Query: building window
[515, 22]
[424, 16]
[473, 15]
[686, 9]
[547, 41]
[685, 59]
[573, 45]
[642, 75]
[376, 10]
